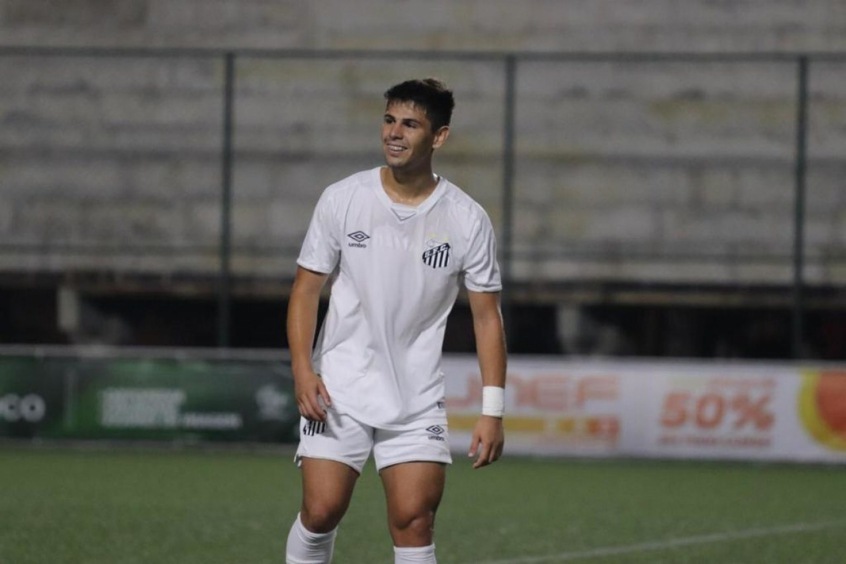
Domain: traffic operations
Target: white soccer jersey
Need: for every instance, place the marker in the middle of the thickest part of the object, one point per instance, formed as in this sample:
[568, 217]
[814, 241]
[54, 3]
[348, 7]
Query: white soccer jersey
[398, 272]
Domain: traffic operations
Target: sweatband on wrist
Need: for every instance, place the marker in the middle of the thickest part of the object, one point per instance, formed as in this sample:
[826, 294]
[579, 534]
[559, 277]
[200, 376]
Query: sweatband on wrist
[493, 401]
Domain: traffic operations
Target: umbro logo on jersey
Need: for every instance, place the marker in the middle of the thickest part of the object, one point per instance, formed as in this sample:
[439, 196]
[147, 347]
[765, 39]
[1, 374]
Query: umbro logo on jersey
[312, 428]
[359, 237]
[436, 432]
[438, 256]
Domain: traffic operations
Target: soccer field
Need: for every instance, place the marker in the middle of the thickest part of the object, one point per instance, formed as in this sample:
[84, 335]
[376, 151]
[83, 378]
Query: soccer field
[158, 506]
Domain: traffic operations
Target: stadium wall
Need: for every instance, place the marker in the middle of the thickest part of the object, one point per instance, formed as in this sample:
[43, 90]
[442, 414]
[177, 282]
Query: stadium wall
[654, 142]
[537, 25]
[675, 171]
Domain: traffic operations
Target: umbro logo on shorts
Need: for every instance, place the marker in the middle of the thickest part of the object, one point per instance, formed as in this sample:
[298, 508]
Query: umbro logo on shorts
[359, 237]
[438, 256]
[312, 428]
[435, 432]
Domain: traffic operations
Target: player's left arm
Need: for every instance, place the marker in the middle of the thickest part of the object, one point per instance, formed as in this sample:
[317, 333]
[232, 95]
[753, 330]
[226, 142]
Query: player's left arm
[488, 435]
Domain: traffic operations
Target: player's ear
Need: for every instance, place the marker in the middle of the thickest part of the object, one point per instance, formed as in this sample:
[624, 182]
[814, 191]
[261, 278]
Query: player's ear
[440, 137]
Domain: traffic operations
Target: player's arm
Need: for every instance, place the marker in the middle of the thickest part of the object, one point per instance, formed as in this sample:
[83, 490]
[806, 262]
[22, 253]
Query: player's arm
[488, 435]
[302, 324]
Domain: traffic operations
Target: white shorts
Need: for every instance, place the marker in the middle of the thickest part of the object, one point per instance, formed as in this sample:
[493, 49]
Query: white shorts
[343, 439]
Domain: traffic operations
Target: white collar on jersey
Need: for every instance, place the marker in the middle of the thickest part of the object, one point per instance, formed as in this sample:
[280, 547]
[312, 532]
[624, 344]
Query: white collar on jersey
[402, 211]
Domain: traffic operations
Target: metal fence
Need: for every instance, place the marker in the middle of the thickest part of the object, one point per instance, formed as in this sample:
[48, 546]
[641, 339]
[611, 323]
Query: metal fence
[513, 126]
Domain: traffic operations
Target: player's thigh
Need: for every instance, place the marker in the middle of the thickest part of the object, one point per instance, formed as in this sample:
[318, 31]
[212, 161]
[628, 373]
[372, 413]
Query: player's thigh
[327, 490]
[331, 456]
[413, 490]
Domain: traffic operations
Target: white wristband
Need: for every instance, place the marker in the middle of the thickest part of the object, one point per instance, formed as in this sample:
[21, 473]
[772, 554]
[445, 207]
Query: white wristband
[493, 401]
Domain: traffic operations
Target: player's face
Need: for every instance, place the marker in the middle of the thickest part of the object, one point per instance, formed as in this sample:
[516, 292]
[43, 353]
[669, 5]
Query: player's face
[407, 137]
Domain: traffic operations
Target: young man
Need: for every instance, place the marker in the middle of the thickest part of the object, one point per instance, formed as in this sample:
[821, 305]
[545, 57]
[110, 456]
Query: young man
[399, 240]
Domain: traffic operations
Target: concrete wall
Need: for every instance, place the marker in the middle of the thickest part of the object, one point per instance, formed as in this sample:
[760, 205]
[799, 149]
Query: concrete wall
[673, 171]
[536, 25]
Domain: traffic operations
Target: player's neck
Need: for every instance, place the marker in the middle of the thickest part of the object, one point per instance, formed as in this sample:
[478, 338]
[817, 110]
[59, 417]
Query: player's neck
[410, 189]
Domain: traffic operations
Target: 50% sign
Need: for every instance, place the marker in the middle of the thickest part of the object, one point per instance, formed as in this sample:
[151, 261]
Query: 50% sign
[717, 409]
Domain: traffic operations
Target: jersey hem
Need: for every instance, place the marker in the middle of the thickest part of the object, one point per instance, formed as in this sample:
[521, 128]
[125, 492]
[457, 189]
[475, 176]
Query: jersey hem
[406, 424]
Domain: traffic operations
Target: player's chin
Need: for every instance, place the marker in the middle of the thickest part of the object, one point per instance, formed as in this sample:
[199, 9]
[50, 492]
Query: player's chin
[393, 161]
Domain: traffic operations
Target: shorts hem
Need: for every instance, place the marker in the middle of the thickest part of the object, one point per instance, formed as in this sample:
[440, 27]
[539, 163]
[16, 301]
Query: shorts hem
[447, 460]
[299, 457]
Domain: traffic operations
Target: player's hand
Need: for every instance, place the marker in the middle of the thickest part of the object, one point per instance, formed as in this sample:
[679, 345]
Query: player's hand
[312, 396]
[488, 440]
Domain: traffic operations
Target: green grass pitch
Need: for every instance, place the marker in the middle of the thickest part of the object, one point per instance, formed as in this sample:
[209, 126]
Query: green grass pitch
[160, 506]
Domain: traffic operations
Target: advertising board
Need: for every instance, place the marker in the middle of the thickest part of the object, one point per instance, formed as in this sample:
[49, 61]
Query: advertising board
[750, 411]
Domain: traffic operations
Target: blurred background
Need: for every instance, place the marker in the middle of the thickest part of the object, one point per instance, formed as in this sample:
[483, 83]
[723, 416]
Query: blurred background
[665, 177]
[666, 180]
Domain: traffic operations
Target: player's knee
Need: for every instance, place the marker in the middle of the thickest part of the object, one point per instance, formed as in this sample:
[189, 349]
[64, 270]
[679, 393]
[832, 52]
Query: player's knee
[416, 526]
[321, 517]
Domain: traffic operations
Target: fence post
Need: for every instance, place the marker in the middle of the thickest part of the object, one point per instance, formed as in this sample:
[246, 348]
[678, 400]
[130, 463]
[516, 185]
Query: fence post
[508, 188]
[224, 281]
[799, 208]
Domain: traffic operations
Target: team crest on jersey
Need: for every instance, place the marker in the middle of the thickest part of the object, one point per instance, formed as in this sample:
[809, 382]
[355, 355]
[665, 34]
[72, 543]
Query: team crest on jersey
[312, 428]
[437, 255]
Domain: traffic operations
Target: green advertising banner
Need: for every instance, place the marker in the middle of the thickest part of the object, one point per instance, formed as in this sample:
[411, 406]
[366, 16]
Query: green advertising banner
[32, 397]
[147, 398]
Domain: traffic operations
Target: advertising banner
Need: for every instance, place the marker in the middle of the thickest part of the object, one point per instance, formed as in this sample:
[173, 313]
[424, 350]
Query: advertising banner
[147, 398]
[32, 397]
[746, 411]
[551, 408]
[554, 406]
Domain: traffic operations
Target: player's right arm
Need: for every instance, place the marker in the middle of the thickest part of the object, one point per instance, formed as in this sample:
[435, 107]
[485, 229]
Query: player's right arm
[309, 389]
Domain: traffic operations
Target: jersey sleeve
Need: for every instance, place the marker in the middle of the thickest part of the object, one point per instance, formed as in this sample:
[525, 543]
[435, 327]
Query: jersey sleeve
[321, 248]
[481, 270]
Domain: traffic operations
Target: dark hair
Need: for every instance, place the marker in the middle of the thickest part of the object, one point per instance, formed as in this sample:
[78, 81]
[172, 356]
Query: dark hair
[430, 94]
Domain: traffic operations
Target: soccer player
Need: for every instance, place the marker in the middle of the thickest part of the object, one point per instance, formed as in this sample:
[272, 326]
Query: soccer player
[398, 241]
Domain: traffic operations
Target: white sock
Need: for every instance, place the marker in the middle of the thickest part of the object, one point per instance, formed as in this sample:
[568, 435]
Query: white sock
[418, 554]
[305, 547]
